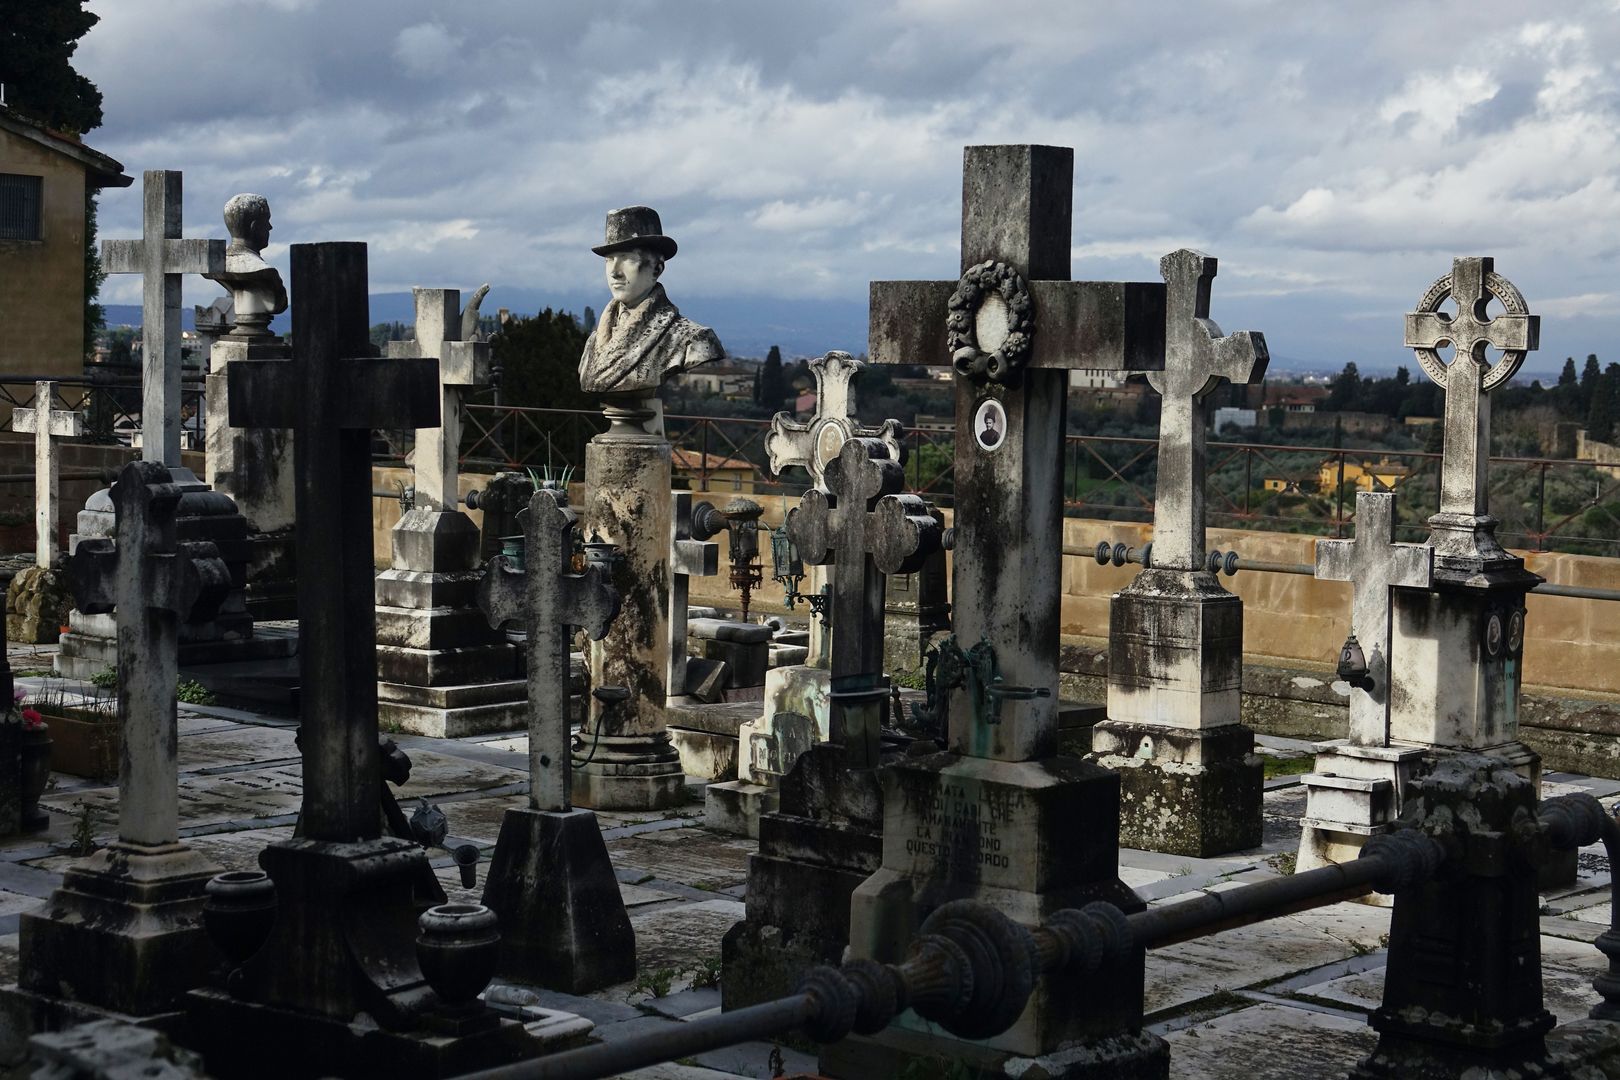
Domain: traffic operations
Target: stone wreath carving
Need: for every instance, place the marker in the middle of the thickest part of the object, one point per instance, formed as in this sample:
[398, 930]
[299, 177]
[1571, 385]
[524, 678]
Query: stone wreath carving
[1003, 364]
[1512, 300]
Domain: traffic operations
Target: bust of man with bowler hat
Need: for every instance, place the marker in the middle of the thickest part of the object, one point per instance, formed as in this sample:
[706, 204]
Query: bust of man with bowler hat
[641, 338]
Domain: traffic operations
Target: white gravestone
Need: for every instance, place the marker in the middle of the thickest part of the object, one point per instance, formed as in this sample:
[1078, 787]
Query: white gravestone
[47, 425]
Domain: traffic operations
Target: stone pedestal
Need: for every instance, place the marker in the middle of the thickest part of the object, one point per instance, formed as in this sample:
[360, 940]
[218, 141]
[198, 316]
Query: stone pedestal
[563, 923]
[1355, 792]
[624, 756]
[254, 466]
[1028, 837]
[1190, 782]
[814, 852]
[90, 645]
[123, 932]
[442, 669]
[796, 718]
[38, 603]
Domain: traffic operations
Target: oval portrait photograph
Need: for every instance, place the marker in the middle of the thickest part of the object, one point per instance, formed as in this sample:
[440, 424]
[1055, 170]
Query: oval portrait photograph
[990, 424]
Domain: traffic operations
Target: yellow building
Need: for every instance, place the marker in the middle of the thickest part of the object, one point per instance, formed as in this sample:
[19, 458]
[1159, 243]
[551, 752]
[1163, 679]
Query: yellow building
[44, 176]
[1365, 475]
[725, 474]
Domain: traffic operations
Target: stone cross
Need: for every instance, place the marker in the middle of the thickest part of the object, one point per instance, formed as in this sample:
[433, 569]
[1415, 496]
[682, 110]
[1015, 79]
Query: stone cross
[868, 530]
[47, 425]
[815, 443]
[1470, 377]
[1012, 327]
[153, 582]
[1374, 564]
[462, 366]
[549, 598]
[332, 393]
[1196, 358]
[160, 257]
[689, 556]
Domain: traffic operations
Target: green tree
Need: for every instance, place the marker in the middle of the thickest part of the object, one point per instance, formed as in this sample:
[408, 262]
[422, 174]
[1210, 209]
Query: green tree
[1344, 392]
[1590, 375]
[37, 41]
[539, 364]
[1605, 407]
[771, 387]
[1567, 395]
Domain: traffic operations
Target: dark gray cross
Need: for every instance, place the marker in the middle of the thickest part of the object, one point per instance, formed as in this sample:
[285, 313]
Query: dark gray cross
[332, 393]
[548, 598]
[1470, 377]
[864, 527]
[160, 256]
[1009, 477]
[689, 556]
[153, 583]
[817, 442]
[1197, 357]
[1374, 564]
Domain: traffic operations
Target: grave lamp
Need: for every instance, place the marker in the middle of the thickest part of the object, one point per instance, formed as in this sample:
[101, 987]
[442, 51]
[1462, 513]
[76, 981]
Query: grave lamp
[787, 570]
[1353, 664]
[742, 528]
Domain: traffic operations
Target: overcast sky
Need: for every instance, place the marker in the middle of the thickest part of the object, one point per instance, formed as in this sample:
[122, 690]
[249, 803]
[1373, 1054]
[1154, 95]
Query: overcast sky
[1334, 157]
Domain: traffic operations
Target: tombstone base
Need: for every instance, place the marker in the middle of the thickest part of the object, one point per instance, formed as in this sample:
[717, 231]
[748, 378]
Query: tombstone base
[1184, 791]
[627, 772]
[736, 806]
[272, 576]
[1355, 793]
[123, 932]
[563, 923]
[83, 655]
[797, 716]
[452, 712]
[1135, 1056]
[291, 1045]
[814, 852]
[1027, 837]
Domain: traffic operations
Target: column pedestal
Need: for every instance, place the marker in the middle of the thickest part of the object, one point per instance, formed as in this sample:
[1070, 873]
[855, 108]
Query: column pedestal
[624, 757]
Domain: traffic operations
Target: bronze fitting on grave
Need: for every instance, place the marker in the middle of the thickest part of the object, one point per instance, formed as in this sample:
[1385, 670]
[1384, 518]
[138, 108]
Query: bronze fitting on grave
[949, 667]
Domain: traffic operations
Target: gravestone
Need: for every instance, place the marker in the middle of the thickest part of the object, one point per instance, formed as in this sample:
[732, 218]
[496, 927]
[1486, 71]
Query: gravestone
[39, 601]
[1189, 778]
[124, 930]
[343, 944]
[1463, 639]
[1359, 784]
[251, 465]
[798, 697]
[563, 923]
[442, 669]
[204, 515]
[625, 757]
[11, 780]
[999, 816]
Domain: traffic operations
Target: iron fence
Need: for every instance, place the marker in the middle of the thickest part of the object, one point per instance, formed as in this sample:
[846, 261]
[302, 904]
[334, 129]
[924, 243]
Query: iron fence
[111, 406]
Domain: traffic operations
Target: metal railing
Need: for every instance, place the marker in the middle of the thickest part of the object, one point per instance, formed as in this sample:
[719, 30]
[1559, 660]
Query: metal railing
[1544, 504]
[110, 405]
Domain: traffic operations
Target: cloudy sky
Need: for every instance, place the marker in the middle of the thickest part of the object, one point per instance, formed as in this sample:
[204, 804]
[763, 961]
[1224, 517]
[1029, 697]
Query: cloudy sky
[1334, 157]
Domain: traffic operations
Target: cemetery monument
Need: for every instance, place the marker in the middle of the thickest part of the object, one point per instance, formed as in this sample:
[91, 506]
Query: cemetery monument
[38, 601]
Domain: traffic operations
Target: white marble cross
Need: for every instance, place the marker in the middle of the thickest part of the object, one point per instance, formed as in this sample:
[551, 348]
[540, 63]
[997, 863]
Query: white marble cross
[56, 424]
[1470, 377]
[815, 443]
[689, 557]
[160, 257]
[462, 366]
[1374, 564]
[1196, 358]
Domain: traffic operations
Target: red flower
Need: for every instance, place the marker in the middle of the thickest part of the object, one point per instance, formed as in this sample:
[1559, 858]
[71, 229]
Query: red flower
[32, 721]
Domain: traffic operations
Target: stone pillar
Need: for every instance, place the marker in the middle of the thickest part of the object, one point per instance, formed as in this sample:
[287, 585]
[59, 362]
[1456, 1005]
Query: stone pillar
[10, 743]
[624, 758]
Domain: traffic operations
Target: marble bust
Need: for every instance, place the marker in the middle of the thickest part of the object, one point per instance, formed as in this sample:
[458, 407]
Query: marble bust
[641, 338]
[256, 289]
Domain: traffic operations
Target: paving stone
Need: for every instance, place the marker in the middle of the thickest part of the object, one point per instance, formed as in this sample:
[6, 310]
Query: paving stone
[686, 1002]
[1302, 1043]
[755, 1059]
[694, 857]
[682, 936]
[234, 744]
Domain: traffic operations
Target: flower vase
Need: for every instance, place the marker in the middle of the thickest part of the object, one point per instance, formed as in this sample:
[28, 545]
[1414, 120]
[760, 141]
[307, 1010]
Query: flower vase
[36, 773]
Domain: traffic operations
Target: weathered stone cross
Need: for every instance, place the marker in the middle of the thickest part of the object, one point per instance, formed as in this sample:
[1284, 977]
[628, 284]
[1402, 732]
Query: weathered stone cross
[1470, 377]
[548, 598]
[1374, 564]
[332, 393]
[153, 582]
[1012, 327]
[160, 257]
[462, 366]
[1197, 357]
[47, 425]
[868, 530]
[816, 443]
[689, 556]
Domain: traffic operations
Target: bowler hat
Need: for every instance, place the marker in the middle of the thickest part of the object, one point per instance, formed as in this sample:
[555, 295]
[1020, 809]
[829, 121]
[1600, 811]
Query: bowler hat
[635, 227]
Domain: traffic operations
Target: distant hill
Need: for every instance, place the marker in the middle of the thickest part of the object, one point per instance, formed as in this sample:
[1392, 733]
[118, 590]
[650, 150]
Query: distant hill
[748, 326]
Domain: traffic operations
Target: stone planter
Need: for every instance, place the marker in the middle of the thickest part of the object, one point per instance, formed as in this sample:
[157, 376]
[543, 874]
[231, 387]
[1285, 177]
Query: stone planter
[239, 912]
[36, 774]
[458, 948]
[87, 741]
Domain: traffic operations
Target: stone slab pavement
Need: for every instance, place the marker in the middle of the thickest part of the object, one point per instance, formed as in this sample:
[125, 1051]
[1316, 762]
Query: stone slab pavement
[1286, 998]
